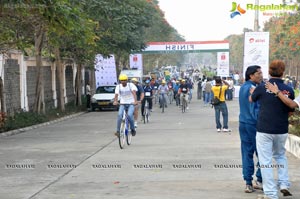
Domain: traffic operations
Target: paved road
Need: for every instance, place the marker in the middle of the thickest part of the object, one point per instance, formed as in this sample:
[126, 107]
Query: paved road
[175, 156]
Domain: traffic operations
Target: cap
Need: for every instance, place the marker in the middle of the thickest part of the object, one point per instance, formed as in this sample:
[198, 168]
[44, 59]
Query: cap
[123, 77]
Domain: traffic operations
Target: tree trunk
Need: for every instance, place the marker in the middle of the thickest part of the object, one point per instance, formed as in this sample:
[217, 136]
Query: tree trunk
[59, 69]
[78, 86]
[39, 90]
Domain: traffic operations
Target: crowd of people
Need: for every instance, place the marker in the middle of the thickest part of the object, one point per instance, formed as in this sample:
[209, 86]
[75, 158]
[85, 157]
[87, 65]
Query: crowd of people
[263, 120]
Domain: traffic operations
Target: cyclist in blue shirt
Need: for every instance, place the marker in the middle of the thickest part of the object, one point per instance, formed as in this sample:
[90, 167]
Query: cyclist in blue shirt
[176, 95]
[148, 90]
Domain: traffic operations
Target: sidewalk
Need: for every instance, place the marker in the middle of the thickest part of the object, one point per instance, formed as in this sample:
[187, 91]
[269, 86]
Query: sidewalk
[175, 156]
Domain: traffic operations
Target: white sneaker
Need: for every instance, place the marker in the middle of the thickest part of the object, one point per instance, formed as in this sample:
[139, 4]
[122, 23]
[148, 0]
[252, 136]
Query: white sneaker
[135, 124]
[226, 130]
[218, 130]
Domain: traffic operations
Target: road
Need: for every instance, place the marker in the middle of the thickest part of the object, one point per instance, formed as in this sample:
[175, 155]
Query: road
[175, 156]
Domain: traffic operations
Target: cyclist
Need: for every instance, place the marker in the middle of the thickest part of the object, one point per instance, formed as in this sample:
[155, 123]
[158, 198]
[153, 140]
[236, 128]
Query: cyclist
[176, 95]
[148, 96]
[154, 84]
[139, 98]
[191, 86]
[183, 90]
[162, 91]
[127, 93]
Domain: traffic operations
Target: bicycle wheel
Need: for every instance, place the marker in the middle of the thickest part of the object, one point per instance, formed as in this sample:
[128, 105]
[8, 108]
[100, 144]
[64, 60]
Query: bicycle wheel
[183, 107]
[122, 135]
[147, 115]
[128, 137]
[162, 104]
[145, 111]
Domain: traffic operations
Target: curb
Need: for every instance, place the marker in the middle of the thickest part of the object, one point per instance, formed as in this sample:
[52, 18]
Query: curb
[22, 130]
[292, 145]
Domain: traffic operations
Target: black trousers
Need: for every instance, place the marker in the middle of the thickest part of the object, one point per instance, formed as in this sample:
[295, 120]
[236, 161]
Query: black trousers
[88, 101]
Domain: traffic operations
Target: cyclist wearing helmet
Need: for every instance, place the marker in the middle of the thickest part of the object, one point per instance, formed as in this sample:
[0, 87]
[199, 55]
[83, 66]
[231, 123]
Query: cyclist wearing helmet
[163, 91]
[183, 89]
[127, 93]
[139, 98]
[148, 96]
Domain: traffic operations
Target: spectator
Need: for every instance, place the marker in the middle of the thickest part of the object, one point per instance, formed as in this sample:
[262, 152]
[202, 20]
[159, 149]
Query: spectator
[247, 128]
[219, 90]
[272, 132]
[88, 95]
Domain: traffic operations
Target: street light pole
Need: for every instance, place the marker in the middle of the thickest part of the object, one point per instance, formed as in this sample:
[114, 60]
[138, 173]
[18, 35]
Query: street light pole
[256, 24]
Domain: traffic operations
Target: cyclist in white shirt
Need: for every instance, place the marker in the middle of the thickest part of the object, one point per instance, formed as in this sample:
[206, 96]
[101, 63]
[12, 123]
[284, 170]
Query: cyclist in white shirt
[127, 93]
[163, 90]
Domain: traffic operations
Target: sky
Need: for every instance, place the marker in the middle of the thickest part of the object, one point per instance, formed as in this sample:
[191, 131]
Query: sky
[199, 20]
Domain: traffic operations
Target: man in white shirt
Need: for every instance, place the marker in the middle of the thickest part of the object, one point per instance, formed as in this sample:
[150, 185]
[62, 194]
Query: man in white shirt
[127, 93]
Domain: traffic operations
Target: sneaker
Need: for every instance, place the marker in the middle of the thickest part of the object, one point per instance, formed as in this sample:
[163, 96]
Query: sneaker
[117, 134]
[249, 189]
[133, 132]
[257, 185]
[262, 197]
[226, 130]
[135, 124]
[218, 130]
[285, 192]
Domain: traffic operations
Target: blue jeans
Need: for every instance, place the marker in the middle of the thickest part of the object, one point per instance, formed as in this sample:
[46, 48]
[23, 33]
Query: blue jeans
[268, 146]
[221, 108]
[248, 148]
[207, 97]
[129, 113]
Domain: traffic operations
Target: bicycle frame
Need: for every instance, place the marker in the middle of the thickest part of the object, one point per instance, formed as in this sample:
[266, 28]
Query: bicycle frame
[146, 112]
[183, 103]
[163, 102]
[124, 130]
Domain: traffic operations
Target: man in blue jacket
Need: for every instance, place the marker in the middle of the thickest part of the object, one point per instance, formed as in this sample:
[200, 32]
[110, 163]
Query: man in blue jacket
[247, 128]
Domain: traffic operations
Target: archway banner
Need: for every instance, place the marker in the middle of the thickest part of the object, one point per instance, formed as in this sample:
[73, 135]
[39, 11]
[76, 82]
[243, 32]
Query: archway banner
[187, 47]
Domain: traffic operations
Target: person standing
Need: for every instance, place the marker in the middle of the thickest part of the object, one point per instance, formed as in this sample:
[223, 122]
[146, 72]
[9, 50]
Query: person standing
[230, 89]
[247, 128]
[219, 91]
[88, 95]
[199, 89]
[208, 91]
[272, 132]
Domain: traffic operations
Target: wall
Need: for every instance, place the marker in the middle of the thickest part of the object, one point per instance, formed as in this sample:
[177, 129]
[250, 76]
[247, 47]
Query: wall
[19, 75]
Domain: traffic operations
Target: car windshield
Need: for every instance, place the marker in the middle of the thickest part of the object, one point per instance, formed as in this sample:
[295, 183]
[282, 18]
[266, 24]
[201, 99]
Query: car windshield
[106, 89]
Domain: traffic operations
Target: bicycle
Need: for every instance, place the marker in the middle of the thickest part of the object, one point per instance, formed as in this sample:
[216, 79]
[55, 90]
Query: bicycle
[163, 102]
[146, 114]
[183, 103]
[124, 130]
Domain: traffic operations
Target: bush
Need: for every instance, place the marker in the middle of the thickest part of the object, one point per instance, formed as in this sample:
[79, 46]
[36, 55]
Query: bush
[23, 119]
[294, 121]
